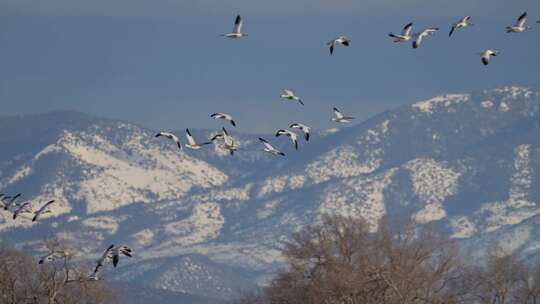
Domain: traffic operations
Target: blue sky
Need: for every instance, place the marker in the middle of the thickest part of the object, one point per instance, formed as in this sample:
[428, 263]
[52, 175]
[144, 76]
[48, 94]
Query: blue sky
[162, 63]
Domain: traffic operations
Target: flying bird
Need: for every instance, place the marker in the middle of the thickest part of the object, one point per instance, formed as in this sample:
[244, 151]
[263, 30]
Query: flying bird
[237, 30]
[116, 251]
[419, 37]
[104, 257]
[170, 136]
[268, 147]
[305, 129]
[519, 27]
[291, 135]
[191, 142]
[339, 40]
[339, 117]
[487, 54]
[288, 94]
[8, 204]
[44, 209]
[228, 142]
[24, 208]
[405, 34]
[224, 116]
[462, 23]
[51, 257]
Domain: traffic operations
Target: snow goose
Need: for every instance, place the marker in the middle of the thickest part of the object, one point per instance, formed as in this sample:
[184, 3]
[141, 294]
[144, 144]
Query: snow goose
[305, 129]
[115, 253]
[339, 40]
[269, 148]
[51, 257]
[419, 37]
[44, 209]
[224, 116]
[169, 135]
[8, 204]
[288, 94]
[104, 257]
[291, 135]
[24, 208]
[237, 30]
[519, 27]
[339, 117]
[228, 142]
[405, 34]
[487, 54]
[462, 23]
[192, 144]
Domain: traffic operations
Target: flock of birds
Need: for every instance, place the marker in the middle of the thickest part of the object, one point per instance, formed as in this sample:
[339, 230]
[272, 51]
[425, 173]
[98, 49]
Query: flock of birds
[227, 142]
[112, 253]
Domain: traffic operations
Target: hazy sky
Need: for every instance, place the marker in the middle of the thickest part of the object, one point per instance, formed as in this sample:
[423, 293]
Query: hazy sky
[162, 63]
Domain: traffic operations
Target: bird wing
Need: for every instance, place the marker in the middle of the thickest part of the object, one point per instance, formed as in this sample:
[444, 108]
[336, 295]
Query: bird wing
[452, 30]
[237, 25]
[521, 20]
[407, 29]
[266, 144]
[190, 138]
[338, 114]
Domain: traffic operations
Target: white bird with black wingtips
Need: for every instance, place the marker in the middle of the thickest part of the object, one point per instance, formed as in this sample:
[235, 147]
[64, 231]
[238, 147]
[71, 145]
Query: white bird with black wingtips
[519, 27]
[339, 40]
[229, 143]
[192, 144]
[292, 136]
[269, 148]
[462, 23]
[104, 257]
[339, 117]
[305, 129]
[225, 117]
[51, 256]
[288, 94]
[419, 37]
[237, 30]
[24, 208]
[405, 34]
[171, 136]
[8, 204]
[44, 209]
[116, 251]
[487, 54]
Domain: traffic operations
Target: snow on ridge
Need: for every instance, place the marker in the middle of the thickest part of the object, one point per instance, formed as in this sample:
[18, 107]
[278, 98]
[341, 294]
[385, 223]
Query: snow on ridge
[114, 179]
[433, 182]
[517, 207]
[428, 106]
[281, 183]
[204, 223]
[343, 161]
[358, 197]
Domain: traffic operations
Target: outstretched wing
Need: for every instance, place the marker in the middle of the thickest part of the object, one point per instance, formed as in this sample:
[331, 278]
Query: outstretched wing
[190, 138]
[521, 20]
[238, 25]
[407, 29]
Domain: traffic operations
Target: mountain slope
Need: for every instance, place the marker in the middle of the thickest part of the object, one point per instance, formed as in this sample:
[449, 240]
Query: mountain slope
[196, 219]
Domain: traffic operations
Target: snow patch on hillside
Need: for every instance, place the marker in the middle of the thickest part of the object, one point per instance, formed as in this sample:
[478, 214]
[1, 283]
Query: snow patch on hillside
[204, 224]
[358, 197]
[341, 162]
[433, 182]
[517, 207]
[429, 106]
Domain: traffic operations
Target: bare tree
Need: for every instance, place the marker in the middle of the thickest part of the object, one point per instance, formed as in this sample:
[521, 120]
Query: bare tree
[58, 280]
[340, 261]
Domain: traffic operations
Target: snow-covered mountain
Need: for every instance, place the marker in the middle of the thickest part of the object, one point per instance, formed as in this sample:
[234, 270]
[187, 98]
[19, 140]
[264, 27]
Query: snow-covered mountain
[210, 224]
